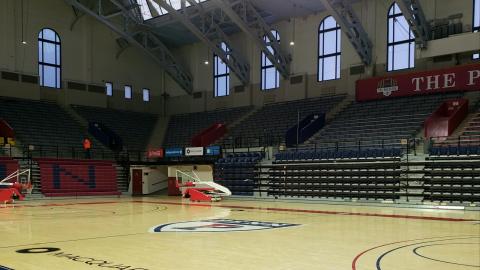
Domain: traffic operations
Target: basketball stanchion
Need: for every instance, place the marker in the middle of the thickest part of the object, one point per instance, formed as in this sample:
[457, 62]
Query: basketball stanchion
[13, 187]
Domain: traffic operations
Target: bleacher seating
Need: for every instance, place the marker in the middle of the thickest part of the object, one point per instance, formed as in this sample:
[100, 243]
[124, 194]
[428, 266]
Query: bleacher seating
[134, 128]
[330, 155]
[273, 120]
[451, 150]
[7, 166]
[237, 171]
[42, 123]
[365, 174]
[453, 175]
[183, 127]
[61, 177]
[382, 122]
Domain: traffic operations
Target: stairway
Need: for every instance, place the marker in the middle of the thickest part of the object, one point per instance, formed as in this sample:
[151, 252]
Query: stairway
[97, 145]
[122, 178]
[411, 190]
[330, 116]
[235, 123]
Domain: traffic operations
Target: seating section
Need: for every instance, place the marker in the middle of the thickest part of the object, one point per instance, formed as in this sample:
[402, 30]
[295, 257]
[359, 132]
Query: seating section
[382, 122]
[134, 128]
[273, 120]
[453, 177]
[183, 127]
[450, 150]
[41, 123]
[60, 177]
[372, 178]
[326, 155]
[237, 172]
[7, 167]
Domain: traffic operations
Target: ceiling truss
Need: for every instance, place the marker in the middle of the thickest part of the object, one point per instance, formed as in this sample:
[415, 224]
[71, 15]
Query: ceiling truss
[207, 28]
[352, 27]
[244, 14]
[124, 18]
[413, 12]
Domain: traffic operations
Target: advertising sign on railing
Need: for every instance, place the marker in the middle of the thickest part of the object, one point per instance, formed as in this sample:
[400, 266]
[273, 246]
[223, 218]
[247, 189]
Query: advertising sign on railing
[173, 152]
[193, 151]
[155, 153]
[460, 78]
[213, 150]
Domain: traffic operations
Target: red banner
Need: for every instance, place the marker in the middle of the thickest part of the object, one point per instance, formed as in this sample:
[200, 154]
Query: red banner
[155, 153]
[460, 78]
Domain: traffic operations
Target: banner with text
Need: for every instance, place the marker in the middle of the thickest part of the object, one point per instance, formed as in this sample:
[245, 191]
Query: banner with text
[213, 150]
[460, 78]
[194, 151]
[173, 152]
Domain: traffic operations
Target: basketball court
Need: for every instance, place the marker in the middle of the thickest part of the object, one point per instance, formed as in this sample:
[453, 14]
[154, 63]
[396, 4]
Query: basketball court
[166, 233]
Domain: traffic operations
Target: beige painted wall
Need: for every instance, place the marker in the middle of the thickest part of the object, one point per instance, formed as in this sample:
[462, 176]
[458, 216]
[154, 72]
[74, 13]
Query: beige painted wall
[373, 15]
[89, 56]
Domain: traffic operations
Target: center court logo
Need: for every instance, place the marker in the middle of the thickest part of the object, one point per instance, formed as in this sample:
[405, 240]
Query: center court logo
[219, 225]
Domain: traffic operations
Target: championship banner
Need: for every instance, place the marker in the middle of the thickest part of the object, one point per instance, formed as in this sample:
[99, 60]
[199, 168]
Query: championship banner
[460, 78]
[193, 151]
[173, 152]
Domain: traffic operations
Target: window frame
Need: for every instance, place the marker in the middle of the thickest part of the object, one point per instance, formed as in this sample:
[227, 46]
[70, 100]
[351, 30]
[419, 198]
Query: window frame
[337, 54]
[111, 89]
[217, 76]
[147, 91]
[475, 28]
[393, 44]
[58, 62]
[127, 86]
[264, 68]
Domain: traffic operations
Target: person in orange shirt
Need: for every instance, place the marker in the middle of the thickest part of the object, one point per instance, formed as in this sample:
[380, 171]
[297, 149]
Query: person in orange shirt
[87, 145]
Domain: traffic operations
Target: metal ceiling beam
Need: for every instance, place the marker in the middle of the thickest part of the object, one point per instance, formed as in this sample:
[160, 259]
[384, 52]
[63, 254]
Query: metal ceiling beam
[244, 14]
[130, 27]
[352, 27]
[413, 12]
[207, 29]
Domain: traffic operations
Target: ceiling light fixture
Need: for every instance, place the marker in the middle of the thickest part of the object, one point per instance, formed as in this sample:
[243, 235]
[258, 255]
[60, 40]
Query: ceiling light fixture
[23, 32]
[292, 43]
[206, 62]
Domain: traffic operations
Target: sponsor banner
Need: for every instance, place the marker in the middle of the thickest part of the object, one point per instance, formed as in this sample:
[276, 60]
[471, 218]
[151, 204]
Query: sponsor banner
[155, 153]
[219, 225]
[173, 152]
[213, 150]
[194, 151]
[461, 78]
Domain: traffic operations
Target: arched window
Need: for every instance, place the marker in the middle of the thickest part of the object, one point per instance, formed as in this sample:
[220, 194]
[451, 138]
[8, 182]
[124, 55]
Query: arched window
[401, 41]
[221, 74]
[329, 49]
[49, 58]
[476, 21]
[270, 77]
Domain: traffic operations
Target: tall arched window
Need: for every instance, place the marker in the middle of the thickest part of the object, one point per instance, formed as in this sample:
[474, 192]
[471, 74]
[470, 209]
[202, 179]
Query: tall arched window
[329, 49]
[270, 77]
[401, 41]
[49, 58]
[221, 74]
[476, 21]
